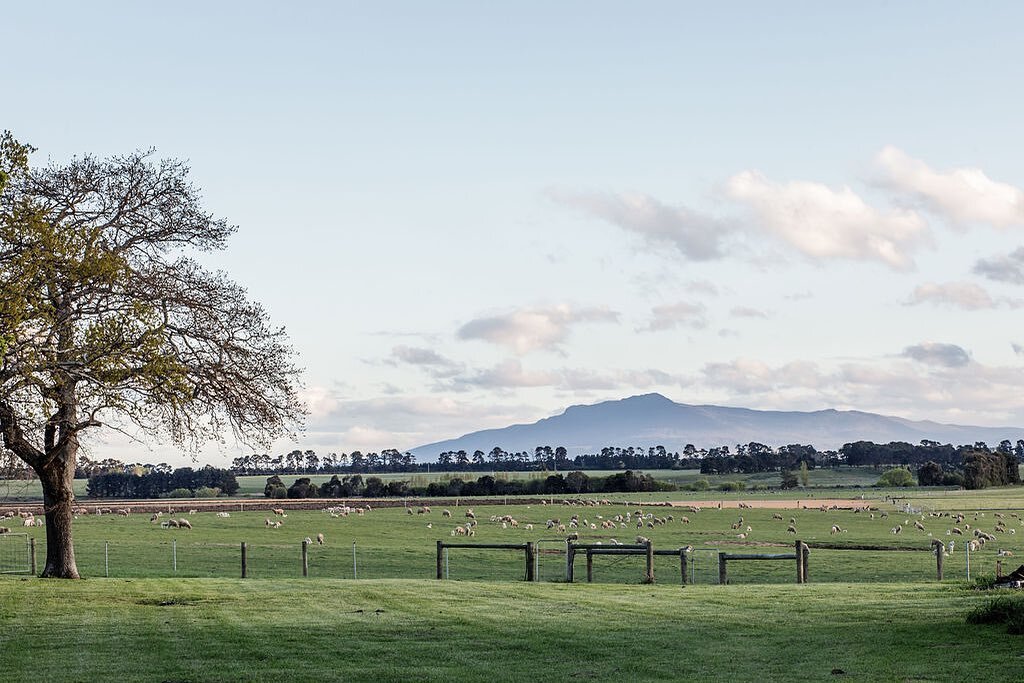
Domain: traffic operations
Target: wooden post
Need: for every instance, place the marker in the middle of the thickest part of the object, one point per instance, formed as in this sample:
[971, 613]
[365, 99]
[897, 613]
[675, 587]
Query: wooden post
[590, 567]
[723, 578]
[649, 576]
[305, 558]
[570, 558]
[245, 564]
[799, 563]
[939, 547]
[682, 564]
[440, 551]
[805, 553]
[32, 554]
[531, 560]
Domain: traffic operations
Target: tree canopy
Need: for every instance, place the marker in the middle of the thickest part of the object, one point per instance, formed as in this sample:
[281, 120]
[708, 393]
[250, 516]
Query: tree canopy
[107, 321]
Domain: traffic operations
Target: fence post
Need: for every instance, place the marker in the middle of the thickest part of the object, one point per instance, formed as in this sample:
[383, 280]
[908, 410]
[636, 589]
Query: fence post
[245, 564]
[531, 552]
[723, 578]
[939, 547]
[32, 554]
[649, 575]
[305, 558]
[805, 553]
[440, 547]
[682, 564]
[799, 562]
[174, 555]
[570, 558]
[590, 566]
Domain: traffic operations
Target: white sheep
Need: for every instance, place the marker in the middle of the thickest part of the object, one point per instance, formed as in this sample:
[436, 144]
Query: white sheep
[320, 539]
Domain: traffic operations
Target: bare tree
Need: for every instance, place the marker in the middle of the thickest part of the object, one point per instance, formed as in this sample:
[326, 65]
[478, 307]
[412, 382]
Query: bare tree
[105, 321]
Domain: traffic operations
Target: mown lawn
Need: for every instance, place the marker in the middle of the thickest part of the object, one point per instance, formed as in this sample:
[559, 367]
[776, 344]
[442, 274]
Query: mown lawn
[397, 630]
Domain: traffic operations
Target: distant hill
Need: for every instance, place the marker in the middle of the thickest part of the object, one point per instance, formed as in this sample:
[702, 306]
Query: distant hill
[653, 420]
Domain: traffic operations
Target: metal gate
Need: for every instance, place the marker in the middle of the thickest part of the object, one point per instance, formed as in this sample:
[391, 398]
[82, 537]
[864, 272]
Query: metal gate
[15, 555]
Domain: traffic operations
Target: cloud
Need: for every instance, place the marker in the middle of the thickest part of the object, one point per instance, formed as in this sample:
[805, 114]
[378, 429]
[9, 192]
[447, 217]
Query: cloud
[963, 195]
[748, 376]
[432, 361]
[823, 223]
[934, 353]
[747, 312]
[965, 295]
[696, 236]
[1017, 348]
[531, 329]
[675, 315]
[508, 375]
[1003, 268]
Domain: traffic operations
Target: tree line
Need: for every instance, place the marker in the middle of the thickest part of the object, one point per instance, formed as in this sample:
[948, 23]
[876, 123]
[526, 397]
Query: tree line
[355, 486]
[182, 482]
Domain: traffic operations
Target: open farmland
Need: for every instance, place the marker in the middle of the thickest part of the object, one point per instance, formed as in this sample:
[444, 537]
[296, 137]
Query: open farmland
[391, 543]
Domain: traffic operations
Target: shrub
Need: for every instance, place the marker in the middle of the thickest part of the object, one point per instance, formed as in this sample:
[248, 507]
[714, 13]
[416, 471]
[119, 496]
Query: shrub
[732, 486]
[1001, 610]
[180, 493]
[700, 485]
[207, 492]
[897, 476]
[276, 492]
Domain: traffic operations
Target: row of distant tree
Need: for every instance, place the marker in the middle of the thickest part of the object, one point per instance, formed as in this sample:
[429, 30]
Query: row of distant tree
[355, 485]
[185, 481]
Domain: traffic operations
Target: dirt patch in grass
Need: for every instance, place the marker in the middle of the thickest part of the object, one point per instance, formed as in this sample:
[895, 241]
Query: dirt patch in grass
[797, 504]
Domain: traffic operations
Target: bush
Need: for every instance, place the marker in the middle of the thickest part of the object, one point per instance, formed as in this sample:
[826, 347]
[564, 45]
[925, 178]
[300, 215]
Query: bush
[700, 485]
[207, 492]
[180, 493]
[732, 486]
[276, 492]
[897, 476]
[1002, 610]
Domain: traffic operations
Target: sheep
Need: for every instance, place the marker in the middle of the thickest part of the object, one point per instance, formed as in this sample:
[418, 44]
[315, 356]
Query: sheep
[918, 525]
[224, 514]
[529, 527]
[277, 525]
[279, 512]
[193, 511]
[684, 520]
[446, 513]
[776, 515]
[642, 540]
[423, 510]
[171, 524]
[38, 522]
[896, 529]
[124, 512]
[184, 523]
[1004, 553]
[835, 530]
[957, 530]
[741, 536]
[408, 511]
[307, 540]
[268, 522]
[430, 525]
[29, 521]
[319, 539]
[470, 514]
[791, 529]
[5, 530]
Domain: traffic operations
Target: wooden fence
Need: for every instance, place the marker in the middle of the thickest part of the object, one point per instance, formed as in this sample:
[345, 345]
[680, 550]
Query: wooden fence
[529, 549]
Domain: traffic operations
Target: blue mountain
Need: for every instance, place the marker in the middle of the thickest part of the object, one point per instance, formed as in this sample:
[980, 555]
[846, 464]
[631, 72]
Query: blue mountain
[653, 420]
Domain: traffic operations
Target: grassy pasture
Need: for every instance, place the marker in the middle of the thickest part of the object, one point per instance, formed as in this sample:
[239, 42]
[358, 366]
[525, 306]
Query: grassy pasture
[389, 543]
[391, 630]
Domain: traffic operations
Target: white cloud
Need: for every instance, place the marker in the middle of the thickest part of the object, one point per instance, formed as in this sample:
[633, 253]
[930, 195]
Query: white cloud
[1003, 268]
[431, 360]
[965, 295]
[1017, 348]
[509, 374]
[934, 353]
[823, 223]
[747, 312]
[671, 316]
[696, 236]
[963, 195]
[530, 329]
[747, 376]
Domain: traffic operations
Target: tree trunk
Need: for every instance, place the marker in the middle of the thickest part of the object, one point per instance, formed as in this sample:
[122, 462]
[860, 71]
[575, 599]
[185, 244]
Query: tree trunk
[58, 499]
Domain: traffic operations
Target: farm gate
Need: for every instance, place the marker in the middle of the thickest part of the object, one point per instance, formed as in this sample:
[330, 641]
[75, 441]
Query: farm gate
[15, 554]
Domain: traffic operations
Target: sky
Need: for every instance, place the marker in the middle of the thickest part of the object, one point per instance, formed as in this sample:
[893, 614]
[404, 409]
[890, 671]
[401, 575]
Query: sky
[469, 214]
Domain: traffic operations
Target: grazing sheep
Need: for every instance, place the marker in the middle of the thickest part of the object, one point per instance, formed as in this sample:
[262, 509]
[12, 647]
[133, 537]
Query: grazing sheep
[408, 511]
[446, 513]
[430, 525]
[268, 522]
[193, 511]
[29, 521]
[470, 514]
[223, 514]
[277, 525]
[741, 536]
[642, 540]
[528, 527]
[320, 539]
[684, 520]
[896, 529]
[1004, 553]
[424, 510]
[776, 515]
[835, 530]
[307, 540]
[38, 522]
[184, 523]
[124, 512]
[956, 530]
[171, 524]
[918, 525]
[5, 530]
[791, 529]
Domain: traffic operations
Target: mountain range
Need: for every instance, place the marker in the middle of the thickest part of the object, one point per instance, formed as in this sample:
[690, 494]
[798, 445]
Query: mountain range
[653, 420]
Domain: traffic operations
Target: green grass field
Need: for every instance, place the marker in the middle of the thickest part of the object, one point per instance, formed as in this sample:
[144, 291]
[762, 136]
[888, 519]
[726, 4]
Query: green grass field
[874, 615]
[391, 630]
